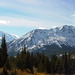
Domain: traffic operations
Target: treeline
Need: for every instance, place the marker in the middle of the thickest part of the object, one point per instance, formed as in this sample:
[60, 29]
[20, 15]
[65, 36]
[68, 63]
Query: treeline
[64, 64]
[39, 62]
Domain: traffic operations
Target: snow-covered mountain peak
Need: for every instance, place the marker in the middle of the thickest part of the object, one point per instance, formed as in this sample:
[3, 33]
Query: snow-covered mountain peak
[38, 38]
[15, 36]
[67, 27]
[9, 37]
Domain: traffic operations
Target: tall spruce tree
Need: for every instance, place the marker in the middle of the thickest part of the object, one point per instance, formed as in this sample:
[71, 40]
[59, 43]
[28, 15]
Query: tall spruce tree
[66, 64]
[1, 58]
[4, 50]
[53, 63]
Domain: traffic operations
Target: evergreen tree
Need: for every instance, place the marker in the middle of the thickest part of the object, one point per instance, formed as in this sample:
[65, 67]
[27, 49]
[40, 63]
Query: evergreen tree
[69, 64]
[63, 63]
[37, 59]
[23, 58]
[11, 62]
[53, 63]
[5, 71]
[24, 49]
[40, 67]
[4, 50]
[28, 60]
[18, 61]
[1, 58]
[58, 66]
[48, 65]
[66, 64]
[32, 59]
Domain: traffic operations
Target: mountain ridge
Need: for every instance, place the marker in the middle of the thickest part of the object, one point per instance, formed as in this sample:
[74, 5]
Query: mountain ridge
[40, 37]
[9, 37]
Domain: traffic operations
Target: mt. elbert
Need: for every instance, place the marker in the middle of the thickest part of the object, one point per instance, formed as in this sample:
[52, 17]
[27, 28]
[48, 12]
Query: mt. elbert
[52, 40]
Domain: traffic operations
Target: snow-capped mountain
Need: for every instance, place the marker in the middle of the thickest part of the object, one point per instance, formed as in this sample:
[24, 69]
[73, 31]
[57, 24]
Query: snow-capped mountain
[9, 37]
[39, 38]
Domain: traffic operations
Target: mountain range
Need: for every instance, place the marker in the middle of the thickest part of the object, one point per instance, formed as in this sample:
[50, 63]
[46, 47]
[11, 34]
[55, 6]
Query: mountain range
[52, 40]
[49, 41]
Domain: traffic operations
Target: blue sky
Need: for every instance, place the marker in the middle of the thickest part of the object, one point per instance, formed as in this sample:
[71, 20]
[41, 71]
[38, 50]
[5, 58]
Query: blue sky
[21, 16]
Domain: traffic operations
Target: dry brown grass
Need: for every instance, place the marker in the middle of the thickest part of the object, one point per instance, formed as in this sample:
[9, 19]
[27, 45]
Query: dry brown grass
[26, 72]
[1, 70]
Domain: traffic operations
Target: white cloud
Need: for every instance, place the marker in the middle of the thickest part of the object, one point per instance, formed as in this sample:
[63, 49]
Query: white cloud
[4, 22]
[10, 21]
[25, 22]
[42, 28]
[54, 26]
[73, 15]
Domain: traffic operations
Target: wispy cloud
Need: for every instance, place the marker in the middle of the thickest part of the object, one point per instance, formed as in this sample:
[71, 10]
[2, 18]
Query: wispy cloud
[35, 13]
[73, 15]
[9, 21]
[23, 22]
[29, 1]
[41, 28]
[5, 22]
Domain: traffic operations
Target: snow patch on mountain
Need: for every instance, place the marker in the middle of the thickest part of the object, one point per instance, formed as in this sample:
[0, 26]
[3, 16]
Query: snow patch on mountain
[38, 38]
[15, 36]
[9, 37]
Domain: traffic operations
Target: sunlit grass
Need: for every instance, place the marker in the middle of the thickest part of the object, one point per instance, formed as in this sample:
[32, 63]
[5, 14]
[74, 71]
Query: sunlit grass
[25, 72]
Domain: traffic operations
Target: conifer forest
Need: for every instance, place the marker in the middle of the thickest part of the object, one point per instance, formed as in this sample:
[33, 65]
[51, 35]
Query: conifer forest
[26, 63]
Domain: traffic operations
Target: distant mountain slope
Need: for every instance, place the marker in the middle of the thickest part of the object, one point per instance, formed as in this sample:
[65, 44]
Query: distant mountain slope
[9, 37]
[38, 38]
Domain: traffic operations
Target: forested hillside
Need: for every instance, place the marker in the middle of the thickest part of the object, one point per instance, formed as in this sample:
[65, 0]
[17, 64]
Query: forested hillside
[26, 62]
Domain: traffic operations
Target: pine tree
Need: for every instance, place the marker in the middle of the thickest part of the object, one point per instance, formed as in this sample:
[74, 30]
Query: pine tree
[5, 71]
[18, 61]
[32, 59]
[1, 58]
[69, 64]
[40, 67]
[4, 49]
[23, 58]
[53, 63]
[66, 64]
[28, 59]
[24, 49]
